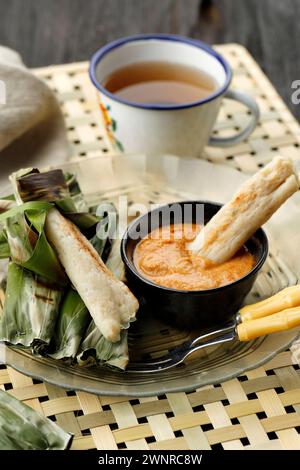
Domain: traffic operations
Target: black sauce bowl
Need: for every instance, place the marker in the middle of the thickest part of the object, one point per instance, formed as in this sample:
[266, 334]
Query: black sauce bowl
[189, 308]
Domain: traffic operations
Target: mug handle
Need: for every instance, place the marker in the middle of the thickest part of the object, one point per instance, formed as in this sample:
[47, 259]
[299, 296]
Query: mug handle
[251, 104]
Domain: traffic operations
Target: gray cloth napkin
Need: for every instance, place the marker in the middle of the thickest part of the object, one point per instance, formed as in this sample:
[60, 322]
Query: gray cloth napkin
[32, 130]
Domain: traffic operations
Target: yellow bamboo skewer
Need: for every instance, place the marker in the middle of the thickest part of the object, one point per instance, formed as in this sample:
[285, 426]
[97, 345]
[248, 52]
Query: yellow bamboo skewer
[285, 320]
[287, 298]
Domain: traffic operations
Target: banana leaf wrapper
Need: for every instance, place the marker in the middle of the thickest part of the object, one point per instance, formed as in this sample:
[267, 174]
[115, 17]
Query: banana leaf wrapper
[28, 246]
[4, 246]
[75, 192]
[30, 309]
[74, 319]
[5, 204]
[70, 328]
[54, 186]
[22, 428]
[24, 239]
[35, 281]
[114, 261]
[95, 349]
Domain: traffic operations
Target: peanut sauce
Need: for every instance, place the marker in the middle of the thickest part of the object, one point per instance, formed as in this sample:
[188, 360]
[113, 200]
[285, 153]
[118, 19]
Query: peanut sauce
[163, 258]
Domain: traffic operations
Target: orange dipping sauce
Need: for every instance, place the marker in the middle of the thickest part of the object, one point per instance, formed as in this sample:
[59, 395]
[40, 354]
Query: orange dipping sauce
[162, 257]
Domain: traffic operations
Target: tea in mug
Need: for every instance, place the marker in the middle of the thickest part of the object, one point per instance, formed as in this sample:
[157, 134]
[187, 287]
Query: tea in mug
[157, 82]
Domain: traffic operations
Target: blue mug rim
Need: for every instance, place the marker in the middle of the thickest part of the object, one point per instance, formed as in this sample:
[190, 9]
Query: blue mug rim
[103, 51]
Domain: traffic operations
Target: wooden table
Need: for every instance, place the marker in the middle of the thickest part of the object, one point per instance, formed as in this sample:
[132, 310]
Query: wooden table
[59, 31]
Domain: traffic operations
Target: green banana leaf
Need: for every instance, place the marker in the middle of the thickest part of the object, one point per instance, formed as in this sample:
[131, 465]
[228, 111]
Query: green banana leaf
[71, 325]
[114, 261]
[30, 310]
[101, 241]
[22, 208]
[75, 192]
[10, 197]
[22, 428]
[95, 349]
[35, 277]
[24, 233]
[109, 226]
[5, 205]
[28, 245]
[4, 246]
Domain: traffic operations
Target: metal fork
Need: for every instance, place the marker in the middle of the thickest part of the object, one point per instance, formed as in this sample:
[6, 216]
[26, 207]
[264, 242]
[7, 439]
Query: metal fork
[180, 353]
[281, 312]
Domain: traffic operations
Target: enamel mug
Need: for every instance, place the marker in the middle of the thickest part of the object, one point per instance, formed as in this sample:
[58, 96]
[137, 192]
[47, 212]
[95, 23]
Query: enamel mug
[180, 129]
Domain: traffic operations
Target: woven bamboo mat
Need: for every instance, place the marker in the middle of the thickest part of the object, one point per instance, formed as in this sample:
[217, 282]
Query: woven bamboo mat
[259, 410]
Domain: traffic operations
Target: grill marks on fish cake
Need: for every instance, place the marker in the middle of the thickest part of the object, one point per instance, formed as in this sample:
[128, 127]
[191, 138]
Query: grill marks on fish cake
[86, 246]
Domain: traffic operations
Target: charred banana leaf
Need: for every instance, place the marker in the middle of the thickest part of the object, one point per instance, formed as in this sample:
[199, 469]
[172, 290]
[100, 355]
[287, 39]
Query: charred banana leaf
[54, 186]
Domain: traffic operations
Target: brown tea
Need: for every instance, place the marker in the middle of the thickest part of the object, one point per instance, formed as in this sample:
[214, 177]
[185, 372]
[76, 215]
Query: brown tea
[160, 83]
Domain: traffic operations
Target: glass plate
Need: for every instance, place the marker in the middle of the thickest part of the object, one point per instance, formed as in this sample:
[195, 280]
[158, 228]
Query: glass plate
[162, 179]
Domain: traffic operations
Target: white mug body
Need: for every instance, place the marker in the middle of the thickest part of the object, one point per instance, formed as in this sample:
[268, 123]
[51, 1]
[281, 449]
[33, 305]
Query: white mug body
[154, 128]
[182, 132]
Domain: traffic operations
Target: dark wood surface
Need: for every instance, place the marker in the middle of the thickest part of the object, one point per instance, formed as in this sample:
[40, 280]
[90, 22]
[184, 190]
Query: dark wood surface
[55, 31]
